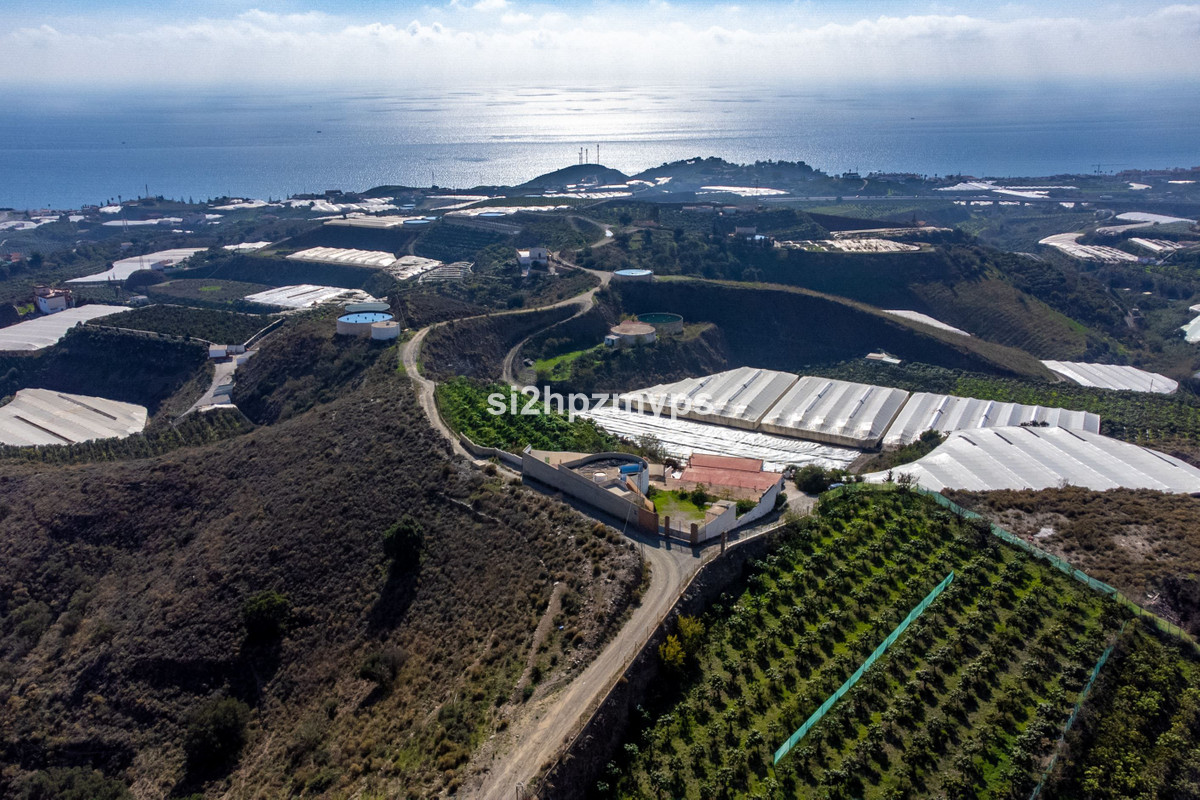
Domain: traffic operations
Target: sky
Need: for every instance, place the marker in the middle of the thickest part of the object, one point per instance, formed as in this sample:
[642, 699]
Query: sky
[375, 43]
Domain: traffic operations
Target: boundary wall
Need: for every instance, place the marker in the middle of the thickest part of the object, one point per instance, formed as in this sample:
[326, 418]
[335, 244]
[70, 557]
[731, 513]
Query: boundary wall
[562, 478]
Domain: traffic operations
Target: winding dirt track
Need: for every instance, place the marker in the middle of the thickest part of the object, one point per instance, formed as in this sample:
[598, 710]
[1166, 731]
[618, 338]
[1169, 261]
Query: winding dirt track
[537, 737]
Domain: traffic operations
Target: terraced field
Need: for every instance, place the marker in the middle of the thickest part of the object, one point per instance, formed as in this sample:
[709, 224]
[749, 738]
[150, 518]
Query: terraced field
[967, 702]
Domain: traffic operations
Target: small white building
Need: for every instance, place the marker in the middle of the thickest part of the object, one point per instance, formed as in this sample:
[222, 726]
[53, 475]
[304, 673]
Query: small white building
[50, 301]
[629, 334]
[533, 257]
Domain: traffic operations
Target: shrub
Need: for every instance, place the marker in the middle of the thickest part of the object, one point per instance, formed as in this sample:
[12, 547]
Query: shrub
[745, 506]
[403, 542]
[671, 653]
[266, 616]
[216, 732]
[75, 783]
[382, 666]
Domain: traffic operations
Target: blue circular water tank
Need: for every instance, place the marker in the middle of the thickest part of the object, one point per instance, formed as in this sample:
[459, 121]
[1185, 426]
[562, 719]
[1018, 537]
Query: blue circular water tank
[365, 317]
[634, 273]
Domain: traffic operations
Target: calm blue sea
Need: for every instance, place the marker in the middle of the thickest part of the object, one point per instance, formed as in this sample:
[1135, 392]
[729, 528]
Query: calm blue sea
[65, 149]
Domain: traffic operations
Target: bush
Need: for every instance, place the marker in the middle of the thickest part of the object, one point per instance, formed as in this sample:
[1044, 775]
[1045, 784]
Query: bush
[671, 653]
[216, 732]
[75, 783]
[814, 479]
[745, 506]
[403, 542]
[382, 666]
[266, 615]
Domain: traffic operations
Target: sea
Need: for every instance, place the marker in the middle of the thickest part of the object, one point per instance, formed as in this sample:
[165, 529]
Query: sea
[64, 148]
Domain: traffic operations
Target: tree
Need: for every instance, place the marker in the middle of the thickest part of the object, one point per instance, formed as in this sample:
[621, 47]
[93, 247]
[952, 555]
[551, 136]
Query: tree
[403, 543]
[672, 654]
[216, 732]
[266, 616]
[691, 634]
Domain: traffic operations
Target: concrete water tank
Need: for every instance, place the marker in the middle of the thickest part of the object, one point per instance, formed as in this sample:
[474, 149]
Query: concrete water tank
[383, 331]
[359, 323]
[663, 322]
[627, 275]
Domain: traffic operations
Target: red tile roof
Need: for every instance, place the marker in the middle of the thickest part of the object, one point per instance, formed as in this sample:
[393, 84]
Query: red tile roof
[725, 462]
[733, 478]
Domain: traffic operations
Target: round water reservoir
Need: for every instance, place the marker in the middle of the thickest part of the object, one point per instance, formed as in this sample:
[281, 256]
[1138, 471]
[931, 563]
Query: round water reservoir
[663, 322]
[359, 323]
[384, 331]
[633, 275]
[356, 308]
[417, 221]
[493, 214]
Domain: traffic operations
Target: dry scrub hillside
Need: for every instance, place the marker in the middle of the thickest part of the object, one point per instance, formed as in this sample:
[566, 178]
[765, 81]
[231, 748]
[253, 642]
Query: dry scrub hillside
[1147, 544]
[332, 590]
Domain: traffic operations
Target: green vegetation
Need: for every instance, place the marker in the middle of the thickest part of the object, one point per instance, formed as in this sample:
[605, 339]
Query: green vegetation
[193, 431]
[925, 444]
[966, 703]
[476, 348]
[220, 327]
[129, 367]
[215, 735]
[71, 783]
[792, 329]
[266, 616]
[448, 242]
[814, 479]
[680, 504]
[464, 405]
[558, 368]
[222, 265]
[1139, 735]
[210, 293]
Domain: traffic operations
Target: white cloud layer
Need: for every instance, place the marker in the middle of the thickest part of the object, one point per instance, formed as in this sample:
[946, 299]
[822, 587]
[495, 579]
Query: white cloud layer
[496, 41]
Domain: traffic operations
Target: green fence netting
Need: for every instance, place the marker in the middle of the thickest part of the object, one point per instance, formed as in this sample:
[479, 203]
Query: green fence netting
[1087, 688]
[811, 722]
[1016, 541]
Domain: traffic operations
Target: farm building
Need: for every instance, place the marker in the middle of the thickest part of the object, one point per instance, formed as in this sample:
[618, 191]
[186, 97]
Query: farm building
[630, 334]
[1113, 376]
[946, 413]
[727, 476]
[837, 412]
[533, 257]
[50, 301]
[1042, 458]
[45, 417]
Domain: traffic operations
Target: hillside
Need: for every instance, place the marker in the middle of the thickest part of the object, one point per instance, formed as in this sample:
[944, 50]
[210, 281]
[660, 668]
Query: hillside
[966, 702]
[475, 348]
[295, 609]
[791, 329]
[1146, 544]
[121, 366]
[574, 174]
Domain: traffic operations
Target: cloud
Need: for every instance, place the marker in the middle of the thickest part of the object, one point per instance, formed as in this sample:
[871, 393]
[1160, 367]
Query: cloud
[604, 43]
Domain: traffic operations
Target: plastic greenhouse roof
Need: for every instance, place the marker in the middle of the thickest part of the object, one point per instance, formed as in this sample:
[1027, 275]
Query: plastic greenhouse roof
[1041, 458]
[838, 412]
[946, 413]
[1113, 376]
